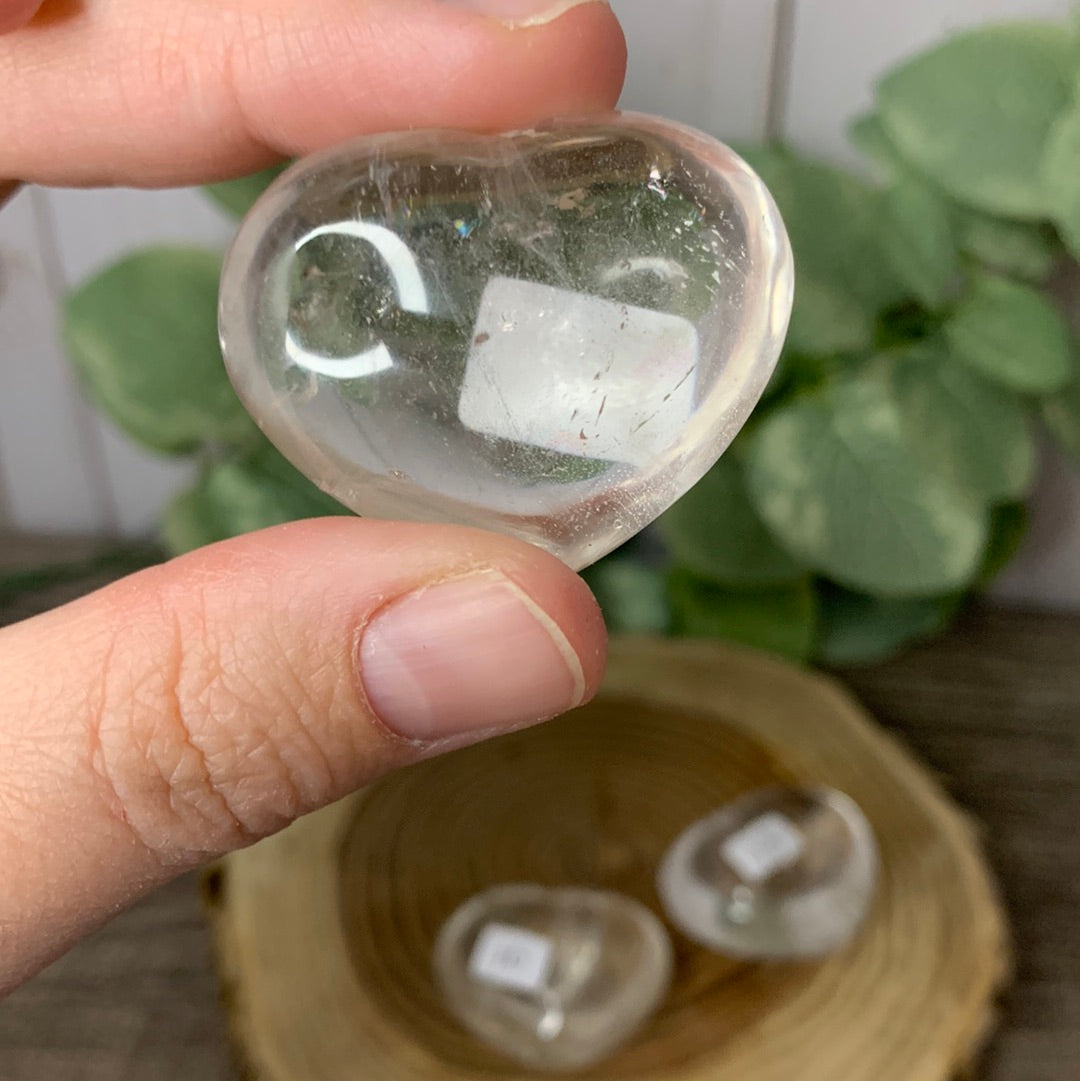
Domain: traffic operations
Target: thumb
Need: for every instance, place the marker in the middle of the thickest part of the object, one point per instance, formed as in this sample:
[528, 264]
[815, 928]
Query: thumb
[198, 706]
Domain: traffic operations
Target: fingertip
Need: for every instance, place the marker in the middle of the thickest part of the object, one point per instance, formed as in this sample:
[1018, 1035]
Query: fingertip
[425, 553]
[570, 604]
[585, 38]
[442, 67]
[354, 567]
[570, 57]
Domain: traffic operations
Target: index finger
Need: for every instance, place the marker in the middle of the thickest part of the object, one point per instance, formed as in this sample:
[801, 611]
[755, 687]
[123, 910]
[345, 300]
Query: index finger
[155, 93]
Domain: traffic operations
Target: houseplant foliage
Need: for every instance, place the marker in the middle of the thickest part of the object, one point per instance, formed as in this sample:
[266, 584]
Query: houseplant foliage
[882, 477]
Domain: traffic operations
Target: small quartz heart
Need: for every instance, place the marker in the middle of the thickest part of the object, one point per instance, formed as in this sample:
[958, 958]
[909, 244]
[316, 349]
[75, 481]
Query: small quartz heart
[552, 334]
[555, 978]
[777, 874]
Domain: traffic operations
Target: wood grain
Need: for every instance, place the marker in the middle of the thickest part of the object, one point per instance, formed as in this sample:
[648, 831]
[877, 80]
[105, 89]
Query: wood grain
[994, 709]
[136, 1002]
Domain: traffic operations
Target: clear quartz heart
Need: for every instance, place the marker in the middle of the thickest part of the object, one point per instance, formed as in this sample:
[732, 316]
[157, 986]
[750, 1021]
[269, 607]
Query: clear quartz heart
[552, 334]
[555, 978]
[780, 873]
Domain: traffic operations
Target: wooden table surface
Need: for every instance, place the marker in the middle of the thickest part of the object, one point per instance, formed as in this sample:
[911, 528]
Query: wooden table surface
[993, 707]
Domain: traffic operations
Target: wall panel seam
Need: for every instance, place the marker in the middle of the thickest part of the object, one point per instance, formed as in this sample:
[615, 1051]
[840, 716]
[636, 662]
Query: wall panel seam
[781, 58]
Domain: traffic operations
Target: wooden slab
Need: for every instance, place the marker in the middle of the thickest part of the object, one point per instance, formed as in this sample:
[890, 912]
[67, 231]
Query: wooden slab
[324, 932]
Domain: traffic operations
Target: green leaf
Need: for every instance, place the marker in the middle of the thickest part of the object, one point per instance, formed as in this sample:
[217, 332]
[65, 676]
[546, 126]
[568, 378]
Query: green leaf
[536, 465]
[1061, 414]
[834, 475]
[826, 318]
[973, 434]
[1012, 334]
[780, 621]
[240, 496]
[1019, 248]
[237, 197]
[859, 629]
[780, 381]
[842, 276]
[715, 532]
[632, 595]
[918, 241]
[974, 114]
[143, 335]
[1024, 249]
[191, 521]
[294, 496]
[870, 139]
[1061, 174]
[1008, 527]
[907, 325]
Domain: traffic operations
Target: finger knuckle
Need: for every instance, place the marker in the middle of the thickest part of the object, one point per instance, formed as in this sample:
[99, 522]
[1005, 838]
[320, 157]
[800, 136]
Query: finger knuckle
[204, 733]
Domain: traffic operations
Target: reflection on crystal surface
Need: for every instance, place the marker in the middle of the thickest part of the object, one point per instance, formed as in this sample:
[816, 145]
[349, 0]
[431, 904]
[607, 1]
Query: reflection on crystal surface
[555, 978]
[777, 873]
[551, 333]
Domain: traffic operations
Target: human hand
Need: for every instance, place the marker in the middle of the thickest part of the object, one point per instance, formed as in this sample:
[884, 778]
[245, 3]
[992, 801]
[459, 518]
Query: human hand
[197, 706]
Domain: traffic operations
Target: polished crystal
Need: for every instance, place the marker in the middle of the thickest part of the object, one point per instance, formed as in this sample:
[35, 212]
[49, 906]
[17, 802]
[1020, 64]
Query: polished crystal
[780, 873]
[554, 978]
[550, 333]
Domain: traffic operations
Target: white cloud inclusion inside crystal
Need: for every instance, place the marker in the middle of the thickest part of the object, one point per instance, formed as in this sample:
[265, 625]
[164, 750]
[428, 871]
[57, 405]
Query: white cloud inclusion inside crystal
[578, 374]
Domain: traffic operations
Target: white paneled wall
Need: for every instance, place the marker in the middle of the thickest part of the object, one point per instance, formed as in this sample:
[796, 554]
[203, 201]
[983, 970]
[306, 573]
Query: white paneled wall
[53, 478]
[705, 62]
[743, 69]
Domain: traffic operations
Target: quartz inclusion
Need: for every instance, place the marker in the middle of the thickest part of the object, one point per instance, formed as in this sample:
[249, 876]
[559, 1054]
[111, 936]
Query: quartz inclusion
[552, 333]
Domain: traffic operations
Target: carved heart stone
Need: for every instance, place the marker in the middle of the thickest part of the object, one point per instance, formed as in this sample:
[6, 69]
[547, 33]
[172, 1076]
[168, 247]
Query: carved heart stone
[777, 874]
[555, 978]
[551, 334]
